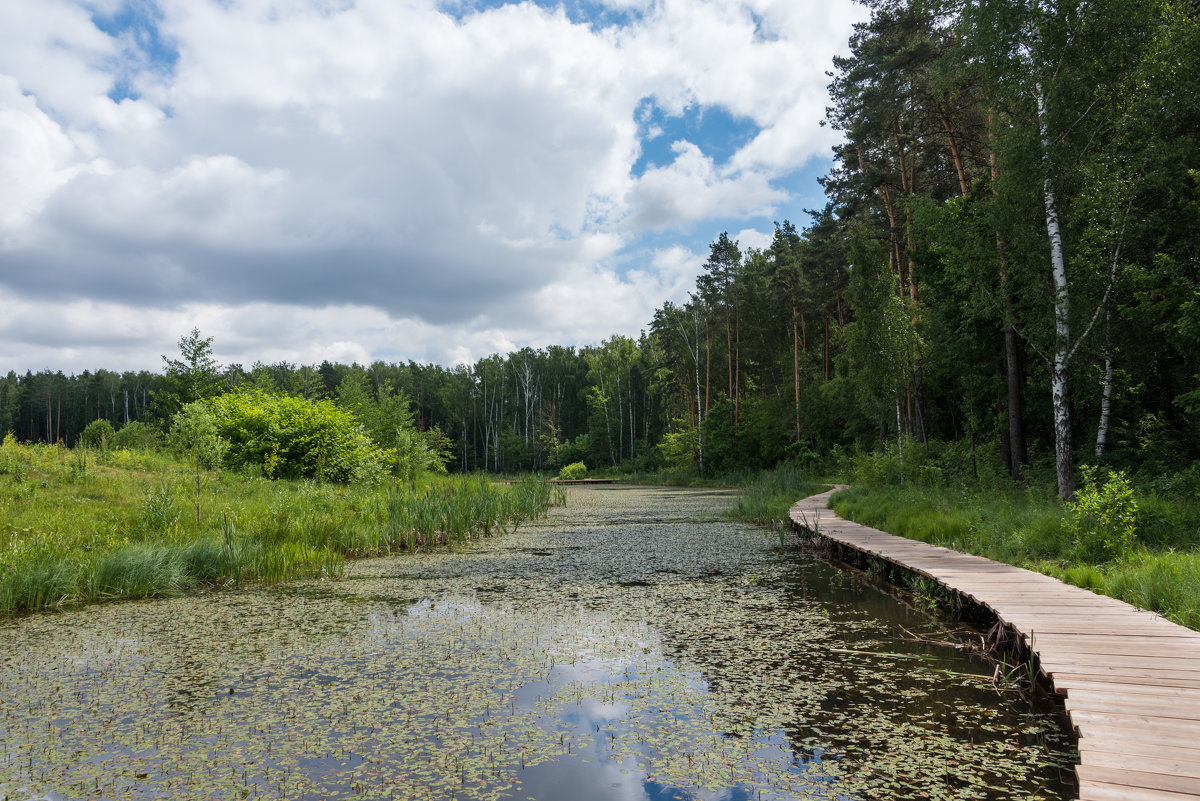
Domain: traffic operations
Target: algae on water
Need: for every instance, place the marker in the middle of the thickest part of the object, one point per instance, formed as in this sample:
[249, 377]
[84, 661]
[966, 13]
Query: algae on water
[635, 645]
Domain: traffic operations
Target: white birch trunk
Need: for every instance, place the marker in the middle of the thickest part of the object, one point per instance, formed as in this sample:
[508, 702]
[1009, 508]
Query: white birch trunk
[899, 432]
[1105, 400]
[1062, 324]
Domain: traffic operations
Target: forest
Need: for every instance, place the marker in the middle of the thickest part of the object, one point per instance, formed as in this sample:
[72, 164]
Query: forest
[1007, 269]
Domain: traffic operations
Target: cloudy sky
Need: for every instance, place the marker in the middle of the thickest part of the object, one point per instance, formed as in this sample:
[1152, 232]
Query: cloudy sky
[356, 180]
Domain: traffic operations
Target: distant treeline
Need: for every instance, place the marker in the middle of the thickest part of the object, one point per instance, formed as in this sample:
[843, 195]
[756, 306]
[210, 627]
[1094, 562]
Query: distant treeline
[1009, 259]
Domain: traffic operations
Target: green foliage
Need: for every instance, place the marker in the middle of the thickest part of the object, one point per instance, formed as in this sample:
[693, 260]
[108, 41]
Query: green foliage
[192, 377]
[122, 534]
[387, 417]
[573, 471]
[279, 436]
[414, 453]
[882, 341]
[196, 434]
[767, 497]
[136, 436]
[572, 451]
[160, 515]
[680, 448]
[13, 458]
[98, 435]
[1103, 519]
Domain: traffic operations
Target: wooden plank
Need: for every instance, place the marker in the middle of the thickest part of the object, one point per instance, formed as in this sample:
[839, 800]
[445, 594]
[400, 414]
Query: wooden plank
[1135, 755]
[1181, 665]
[1064, 681]
[1101, 791]
[1186, 753]
[1097, 733]
[1072, 686]
[1092, 624]
[1126, 645]
[1139, 778]
[1142, 705]
[1087, 720]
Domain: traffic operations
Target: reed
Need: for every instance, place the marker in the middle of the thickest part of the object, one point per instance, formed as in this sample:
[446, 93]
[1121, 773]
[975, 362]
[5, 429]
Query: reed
[768, 496]
[80, 527]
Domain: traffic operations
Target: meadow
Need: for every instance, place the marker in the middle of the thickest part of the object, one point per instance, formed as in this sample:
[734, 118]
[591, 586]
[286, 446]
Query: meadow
[84, 525]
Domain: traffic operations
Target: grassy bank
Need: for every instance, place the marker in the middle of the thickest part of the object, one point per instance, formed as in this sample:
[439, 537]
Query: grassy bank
[768, 496]
[80, 526]
[1139, 542]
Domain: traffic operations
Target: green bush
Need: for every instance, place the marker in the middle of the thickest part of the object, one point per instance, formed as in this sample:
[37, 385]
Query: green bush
[98, 434]
[287, 437]
[573, 471]
[1103, 516]
[13, 456]
[136, 436]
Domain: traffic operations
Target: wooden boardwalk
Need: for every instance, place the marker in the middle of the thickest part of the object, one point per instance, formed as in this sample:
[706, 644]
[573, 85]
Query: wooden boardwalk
[1131, 678]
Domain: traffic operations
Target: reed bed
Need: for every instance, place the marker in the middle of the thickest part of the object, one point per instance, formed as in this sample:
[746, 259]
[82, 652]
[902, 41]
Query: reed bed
[81, 526]
[769, 495]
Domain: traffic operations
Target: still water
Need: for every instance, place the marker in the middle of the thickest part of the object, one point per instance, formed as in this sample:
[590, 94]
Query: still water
[634, 645]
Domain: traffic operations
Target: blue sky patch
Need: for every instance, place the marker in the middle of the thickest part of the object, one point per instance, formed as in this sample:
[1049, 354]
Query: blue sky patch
[582, 12]
[136, 24]
[714, 130]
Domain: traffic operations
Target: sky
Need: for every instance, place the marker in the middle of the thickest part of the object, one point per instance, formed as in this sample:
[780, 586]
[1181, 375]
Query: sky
[362, 180]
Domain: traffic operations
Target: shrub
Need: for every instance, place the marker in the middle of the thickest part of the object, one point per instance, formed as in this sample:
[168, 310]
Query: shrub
[573, 471]
[98, 434]
[1103, 517]
[288, 437]
[13, 456]
[136, 436]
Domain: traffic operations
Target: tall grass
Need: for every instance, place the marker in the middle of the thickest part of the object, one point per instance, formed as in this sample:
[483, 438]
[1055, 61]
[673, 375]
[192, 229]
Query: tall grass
[85, 526]
[769, 495]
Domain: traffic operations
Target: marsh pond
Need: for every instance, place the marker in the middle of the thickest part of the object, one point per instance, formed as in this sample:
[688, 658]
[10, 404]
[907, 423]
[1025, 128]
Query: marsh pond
[635, 644]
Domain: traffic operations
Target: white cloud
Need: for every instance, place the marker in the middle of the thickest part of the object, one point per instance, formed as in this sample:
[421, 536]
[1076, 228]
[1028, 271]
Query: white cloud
[753, 238]
[36, 158]
[692, 188]
[462, 183]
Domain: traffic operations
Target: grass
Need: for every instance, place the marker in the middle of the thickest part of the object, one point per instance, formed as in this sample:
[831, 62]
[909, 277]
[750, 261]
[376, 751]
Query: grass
[80, 526]
[1032, 528]
[767, 497]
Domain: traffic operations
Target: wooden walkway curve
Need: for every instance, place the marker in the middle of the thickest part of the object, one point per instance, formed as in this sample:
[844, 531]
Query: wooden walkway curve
[1131, 678]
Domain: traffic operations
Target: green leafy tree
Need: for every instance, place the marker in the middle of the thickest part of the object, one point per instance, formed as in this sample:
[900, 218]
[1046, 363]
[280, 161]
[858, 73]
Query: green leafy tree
[192, 377]
[196, 436]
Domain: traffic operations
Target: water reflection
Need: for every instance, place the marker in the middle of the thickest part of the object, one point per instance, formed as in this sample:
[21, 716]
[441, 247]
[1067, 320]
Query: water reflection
[635, 646]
